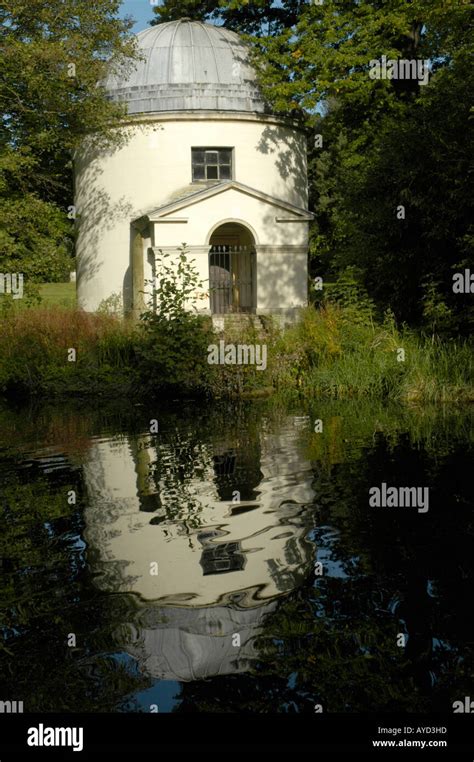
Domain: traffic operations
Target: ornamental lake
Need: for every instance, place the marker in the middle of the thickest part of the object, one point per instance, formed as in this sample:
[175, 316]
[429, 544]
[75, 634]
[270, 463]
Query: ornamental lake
[232, 561]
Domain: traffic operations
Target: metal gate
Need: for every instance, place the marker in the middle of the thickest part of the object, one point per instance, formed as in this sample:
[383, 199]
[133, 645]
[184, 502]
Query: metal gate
[231, 279]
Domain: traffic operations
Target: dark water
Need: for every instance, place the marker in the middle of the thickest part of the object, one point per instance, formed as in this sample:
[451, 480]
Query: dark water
[232, 562]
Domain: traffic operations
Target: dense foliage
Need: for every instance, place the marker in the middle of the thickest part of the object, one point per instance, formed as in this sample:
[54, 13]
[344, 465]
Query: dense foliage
[52, 57]
[386, 143]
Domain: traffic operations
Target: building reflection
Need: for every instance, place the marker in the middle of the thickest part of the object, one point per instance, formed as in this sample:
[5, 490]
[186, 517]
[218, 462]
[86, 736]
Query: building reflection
[209, 534]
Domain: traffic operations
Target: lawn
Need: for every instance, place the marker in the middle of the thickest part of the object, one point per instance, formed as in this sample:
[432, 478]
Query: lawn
[63, 294]
[52, 295]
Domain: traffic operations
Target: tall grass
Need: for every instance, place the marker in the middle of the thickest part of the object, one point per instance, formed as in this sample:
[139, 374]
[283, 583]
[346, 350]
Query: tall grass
[36, 357]
[340, 353]
[333, 352]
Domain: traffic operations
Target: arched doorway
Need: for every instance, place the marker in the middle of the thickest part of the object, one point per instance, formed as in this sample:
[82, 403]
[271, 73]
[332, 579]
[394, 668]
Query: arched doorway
[232, 265]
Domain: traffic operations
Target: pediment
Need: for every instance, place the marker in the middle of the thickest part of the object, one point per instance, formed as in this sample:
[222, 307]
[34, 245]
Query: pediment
[180, 209]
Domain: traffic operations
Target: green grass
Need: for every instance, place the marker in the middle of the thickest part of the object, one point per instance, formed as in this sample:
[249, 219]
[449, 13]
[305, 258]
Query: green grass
[341, 353]
[52, 295]
[62, 294]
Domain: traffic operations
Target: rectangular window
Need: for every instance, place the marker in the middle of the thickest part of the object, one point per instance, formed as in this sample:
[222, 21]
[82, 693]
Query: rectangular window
[211, 163]
[221, 558]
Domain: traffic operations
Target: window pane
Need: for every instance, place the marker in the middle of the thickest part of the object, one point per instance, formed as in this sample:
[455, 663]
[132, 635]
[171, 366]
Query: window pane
[224, 172]
[211, 173]
[198, 172]
[211, 157]
[225, 157]
[198, 156]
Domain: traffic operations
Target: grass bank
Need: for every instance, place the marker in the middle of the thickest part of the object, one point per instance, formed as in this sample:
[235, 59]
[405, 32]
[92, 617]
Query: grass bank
[341, 353]
[56, 351]
[333, 352]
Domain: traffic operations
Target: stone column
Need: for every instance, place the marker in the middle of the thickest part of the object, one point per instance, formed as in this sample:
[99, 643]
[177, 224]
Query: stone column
[138, 283]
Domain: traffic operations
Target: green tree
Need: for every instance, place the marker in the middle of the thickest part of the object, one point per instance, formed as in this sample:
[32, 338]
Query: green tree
[259, 17]
[386, 143]
[52, 57]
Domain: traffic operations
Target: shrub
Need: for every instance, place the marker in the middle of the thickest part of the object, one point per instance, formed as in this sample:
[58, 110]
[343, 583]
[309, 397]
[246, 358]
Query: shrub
[173, 353]
[171, 342]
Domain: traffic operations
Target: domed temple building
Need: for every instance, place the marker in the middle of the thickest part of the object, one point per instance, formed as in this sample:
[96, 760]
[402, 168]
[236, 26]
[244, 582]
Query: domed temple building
[204, 162]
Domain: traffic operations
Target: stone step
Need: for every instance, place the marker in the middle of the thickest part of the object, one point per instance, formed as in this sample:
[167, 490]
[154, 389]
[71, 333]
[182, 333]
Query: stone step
[233, 323]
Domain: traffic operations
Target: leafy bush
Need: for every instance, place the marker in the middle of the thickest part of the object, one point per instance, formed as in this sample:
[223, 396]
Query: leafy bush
[173, 353]
[171, 342]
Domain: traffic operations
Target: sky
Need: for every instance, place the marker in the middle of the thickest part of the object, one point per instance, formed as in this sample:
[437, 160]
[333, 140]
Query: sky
[141, 10]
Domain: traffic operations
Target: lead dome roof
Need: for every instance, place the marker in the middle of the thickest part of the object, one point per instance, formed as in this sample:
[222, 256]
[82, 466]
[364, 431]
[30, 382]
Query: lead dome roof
[188, 66]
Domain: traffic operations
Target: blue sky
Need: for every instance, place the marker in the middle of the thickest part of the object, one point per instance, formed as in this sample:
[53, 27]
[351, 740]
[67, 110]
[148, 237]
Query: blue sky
[141, 10]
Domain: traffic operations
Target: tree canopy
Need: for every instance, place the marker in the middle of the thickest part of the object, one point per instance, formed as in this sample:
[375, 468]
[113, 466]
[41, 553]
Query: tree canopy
[53, 55]
[389, 175]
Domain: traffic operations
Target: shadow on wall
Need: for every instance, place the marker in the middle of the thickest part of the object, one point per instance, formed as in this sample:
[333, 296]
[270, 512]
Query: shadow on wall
[96, 213]
[127, 283]
[286, 271]
[290, 161]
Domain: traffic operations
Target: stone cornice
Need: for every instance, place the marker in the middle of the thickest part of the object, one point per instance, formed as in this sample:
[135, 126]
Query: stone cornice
[213, 116]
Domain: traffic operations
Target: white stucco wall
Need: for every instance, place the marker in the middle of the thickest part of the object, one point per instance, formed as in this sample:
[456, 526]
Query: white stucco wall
[117, 187]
